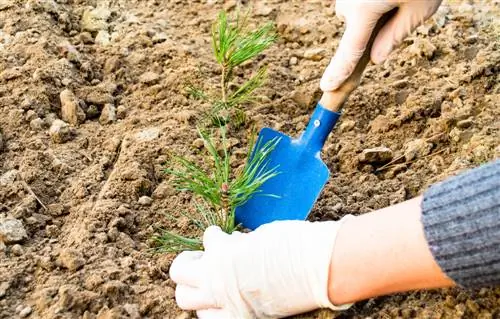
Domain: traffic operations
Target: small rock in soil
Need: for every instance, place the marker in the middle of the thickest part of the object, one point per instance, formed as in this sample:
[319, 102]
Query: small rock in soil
[4, 286]
[376, 155]
[17, 250]
[149, 78]
[95, 20]
[71, 259]
[108, 114]
[37, 124]
[71, 111]
[294, 60]
[145, 200]
[417, 148]
[102, 37]
[12, 230]
[316, 54]
[60, 132]
[25, 311]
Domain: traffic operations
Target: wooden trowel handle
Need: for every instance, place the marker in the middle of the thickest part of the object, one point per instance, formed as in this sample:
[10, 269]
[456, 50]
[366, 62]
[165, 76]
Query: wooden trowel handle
[334, 100]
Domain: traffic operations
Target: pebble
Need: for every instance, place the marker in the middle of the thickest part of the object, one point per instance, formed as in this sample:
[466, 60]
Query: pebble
[17, 250]
[149, 78]
[417, 148]
[26, 311]
[108, 114]
[102, 37]
[71, 111]
[376, 155]
[71, 259]
[316, 54]
[294, 60]
[60, 132]
[145, 200]
[4, 286]
[95, 20]
[12, 230]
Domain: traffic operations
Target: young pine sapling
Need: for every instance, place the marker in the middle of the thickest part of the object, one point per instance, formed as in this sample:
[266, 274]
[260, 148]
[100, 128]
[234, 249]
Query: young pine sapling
[219, 193]
[233, 45]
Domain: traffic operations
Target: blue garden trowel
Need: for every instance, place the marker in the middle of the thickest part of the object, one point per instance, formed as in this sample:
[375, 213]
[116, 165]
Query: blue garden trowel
[301, 172]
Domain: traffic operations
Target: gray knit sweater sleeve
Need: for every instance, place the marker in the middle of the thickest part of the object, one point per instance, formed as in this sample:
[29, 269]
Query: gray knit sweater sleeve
[461, 218]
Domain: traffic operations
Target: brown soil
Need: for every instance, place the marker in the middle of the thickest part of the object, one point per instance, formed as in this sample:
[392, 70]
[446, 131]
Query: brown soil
[77, 191]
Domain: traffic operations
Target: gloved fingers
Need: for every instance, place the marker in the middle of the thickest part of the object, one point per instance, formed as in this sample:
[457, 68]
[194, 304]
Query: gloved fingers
[213, 238]
[351, 48]
[186, 269]
[189, 298]
[214, 314]
[406, 20]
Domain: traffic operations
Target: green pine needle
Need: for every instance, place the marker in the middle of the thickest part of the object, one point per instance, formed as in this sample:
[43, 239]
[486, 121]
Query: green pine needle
[220, 191]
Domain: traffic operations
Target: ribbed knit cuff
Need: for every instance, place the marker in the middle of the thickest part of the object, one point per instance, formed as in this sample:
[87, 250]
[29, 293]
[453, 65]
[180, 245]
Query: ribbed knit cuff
[461, 218]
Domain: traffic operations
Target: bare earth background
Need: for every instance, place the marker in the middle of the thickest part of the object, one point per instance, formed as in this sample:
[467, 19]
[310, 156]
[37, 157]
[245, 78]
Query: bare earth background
[125, 65]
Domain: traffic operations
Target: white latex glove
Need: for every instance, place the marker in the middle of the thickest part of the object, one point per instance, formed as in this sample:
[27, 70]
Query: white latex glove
[278, 270]
[360, 17]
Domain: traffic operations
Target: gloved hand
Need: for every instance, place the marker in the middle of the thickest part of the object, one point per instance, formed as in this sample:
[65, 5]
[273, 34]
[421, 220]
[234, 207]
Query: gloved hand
[360, 17]
[278, 270]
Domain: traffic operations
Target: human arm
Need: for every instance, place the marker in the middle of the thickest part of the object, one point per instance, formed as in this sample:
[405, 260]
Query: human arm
[449, 235]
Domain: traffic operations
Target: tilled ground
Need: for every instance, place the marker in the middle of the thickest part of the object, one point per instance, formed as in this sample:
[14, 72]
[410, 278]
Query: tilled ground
[92, 100]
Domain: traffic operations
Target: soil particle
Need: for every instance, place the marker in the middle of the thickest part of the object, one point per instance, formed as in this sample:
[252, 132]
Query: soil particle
[37, 124]
[95, 19]
[17, 250]
[316, 54]
[145, 200]
[60, 132]
[11, 230]
[102, 38]
[149, 77]
[108, 114]
[417, 148]
[376, 155]
[422, 47]
[71, 111]
[25, 311]
[71, 259]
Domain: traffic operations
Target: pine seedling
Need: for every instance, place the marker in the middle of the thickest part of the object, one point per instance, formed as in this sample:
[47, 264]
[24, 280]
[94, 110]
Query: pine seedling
[233, 45]
[218, 193]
